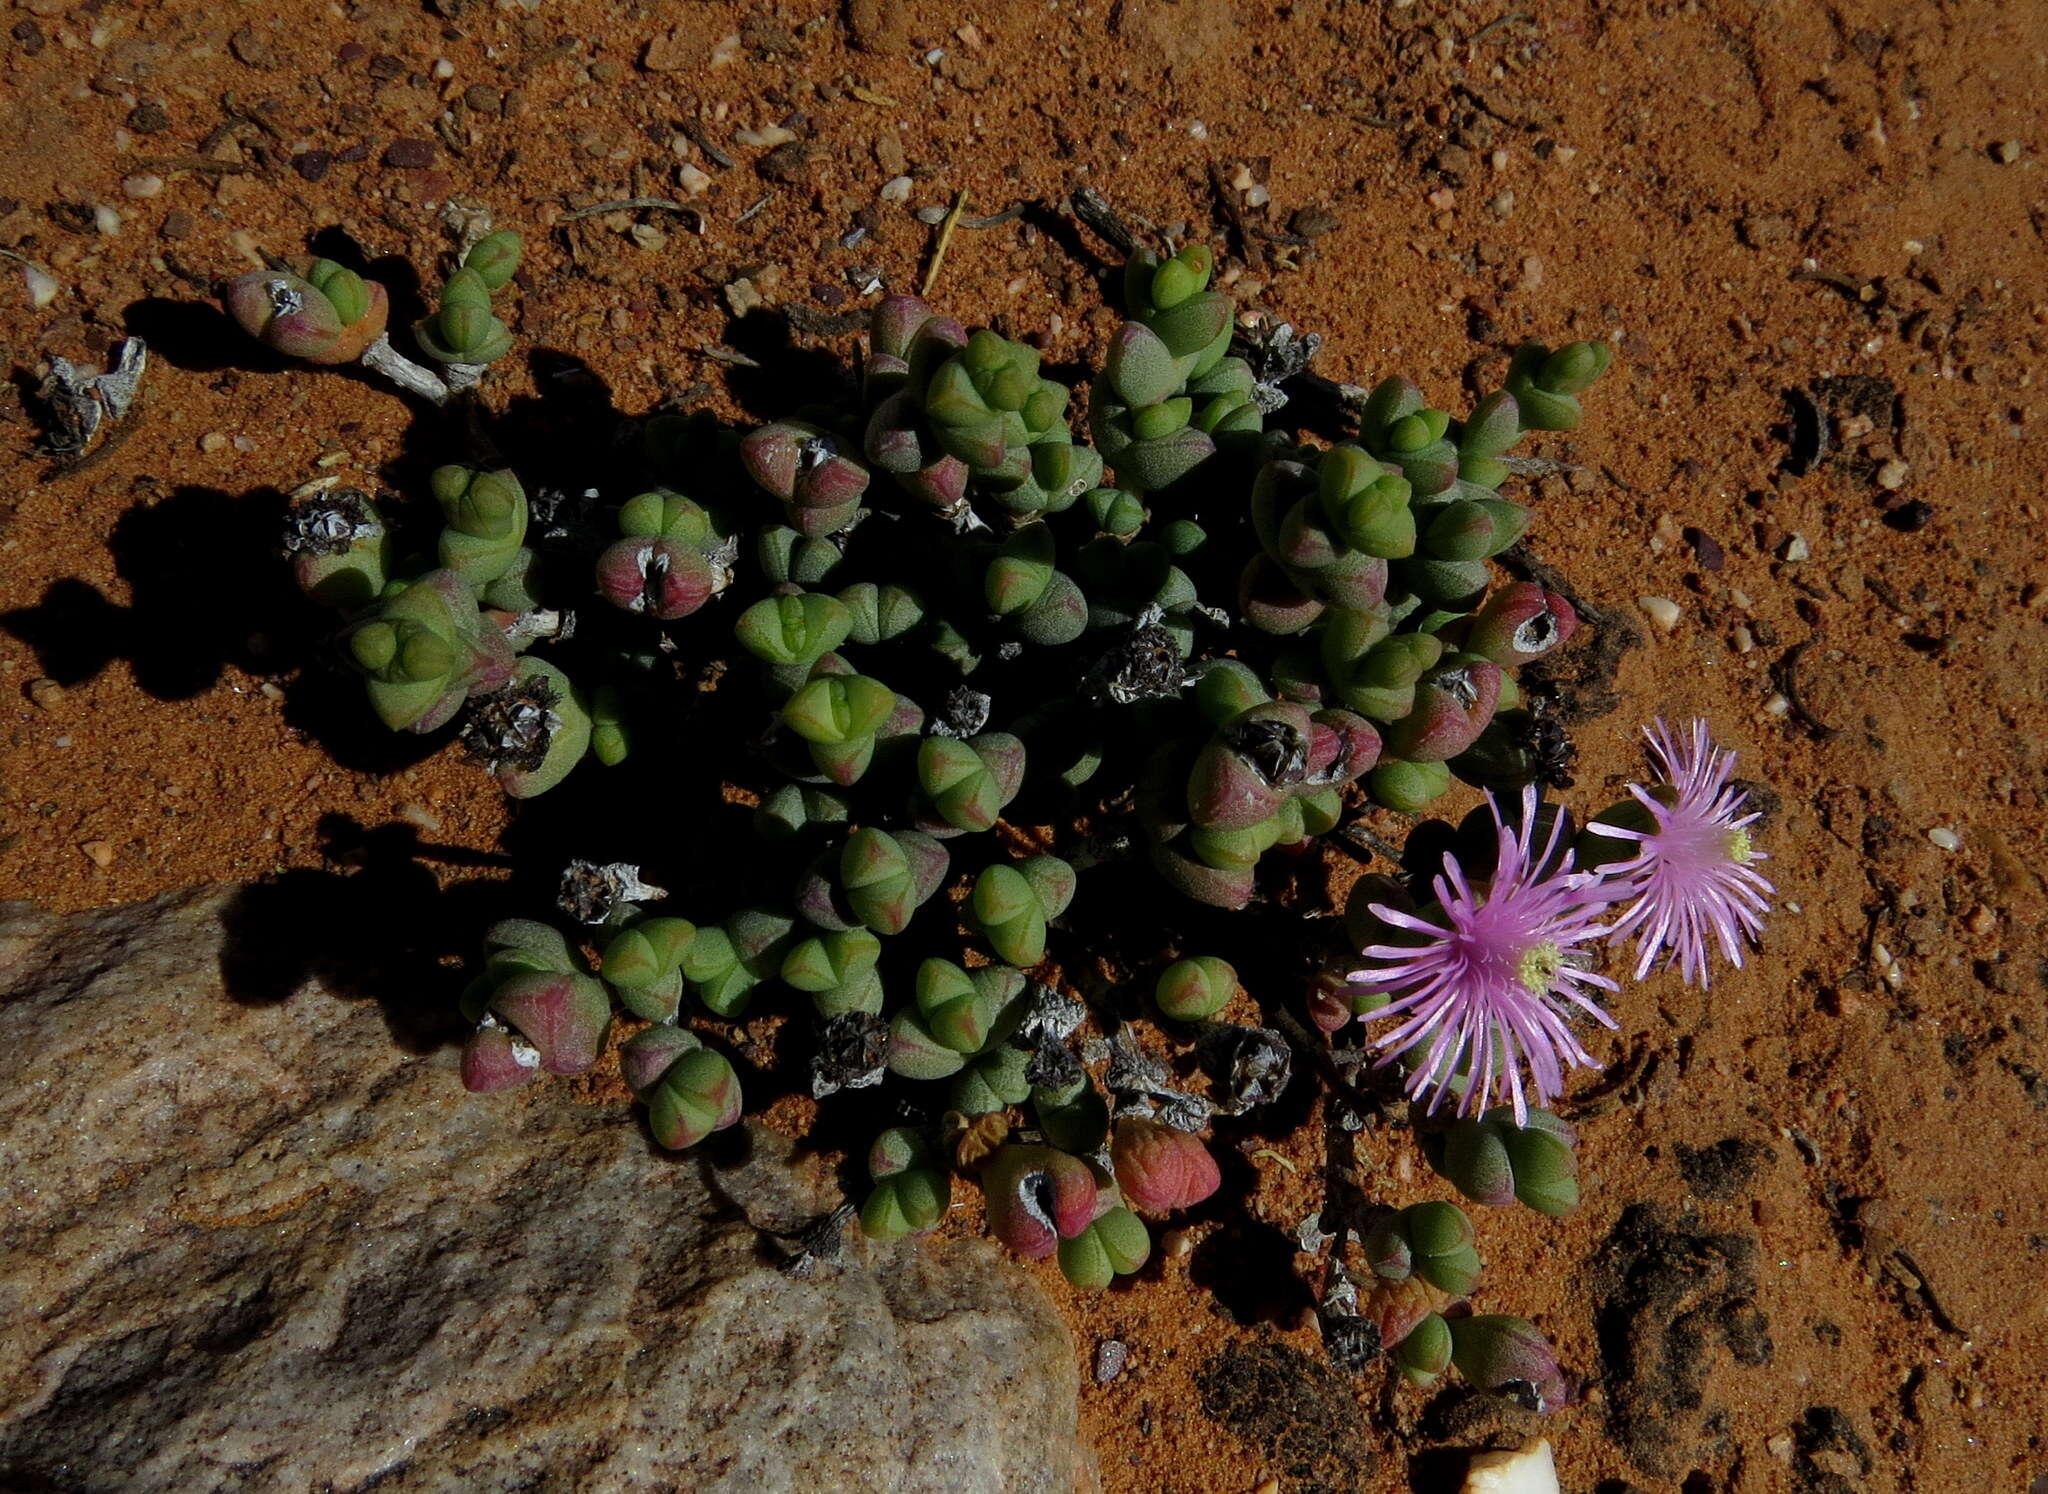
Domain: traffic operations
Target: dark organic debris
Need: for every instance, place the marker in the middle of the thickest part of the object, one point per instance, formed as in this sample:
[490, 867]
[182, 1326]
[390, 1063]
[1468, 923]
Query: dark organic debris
[1093, 209]
[513, 727]
[329, 523]
[1275, 356]
[1786, 673]
[964, 713]
[1251, 1065]
[851, 1049]
[1828, 1454]
[590, 892]
[1134, 1072]
[80, 402]
[1725, 1169]
[1300, 1413]
[1145, 665]
[1579, 678]
[1667, 1294]
[822, 1242]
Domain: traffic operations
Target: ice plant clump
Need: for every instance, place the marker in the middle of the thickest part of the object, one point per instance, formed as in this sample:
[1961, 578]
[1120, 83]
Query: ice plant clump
[1489, 975]
[927, 629]
[1691, 882]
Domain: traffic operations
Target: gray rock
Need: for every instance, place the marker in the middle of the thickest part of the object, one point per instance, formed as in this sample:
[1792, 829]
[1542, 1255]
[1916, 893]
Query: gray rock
[262, 1247]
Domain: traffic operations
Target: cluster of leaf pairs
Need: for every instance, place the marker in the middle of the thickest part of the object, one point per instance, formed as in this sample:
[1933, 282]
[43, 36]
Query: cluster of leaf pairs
[956, 617]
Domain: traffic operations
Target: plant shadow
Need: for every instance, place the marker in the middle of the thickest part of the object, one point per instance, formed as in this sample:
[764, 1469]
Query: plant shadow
[378, 924]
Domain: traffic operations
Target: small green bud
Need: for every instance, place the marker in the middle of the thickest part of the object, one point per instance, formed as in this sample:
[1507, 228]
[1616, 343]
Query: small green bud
[494, 258]
[1425, 1353]
[794, 630]
[1409, 787]
[835, 709]
[1196, 988]
[1115, 1244]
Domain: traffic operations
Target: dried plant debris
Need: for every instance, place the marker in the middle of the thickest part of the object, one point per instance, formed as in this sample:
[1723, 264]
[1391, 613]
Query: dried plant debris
[80, 404]
[591, 893]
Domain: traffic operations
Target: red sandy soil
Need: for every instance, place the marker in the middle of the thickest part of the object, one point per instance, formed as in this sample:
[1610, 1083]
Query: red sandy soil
[1743, 200]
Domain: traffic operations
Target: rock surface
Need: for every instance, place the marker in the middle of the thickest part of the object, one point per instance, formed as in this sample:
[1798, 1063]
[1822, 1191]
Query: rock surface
[261, 1247]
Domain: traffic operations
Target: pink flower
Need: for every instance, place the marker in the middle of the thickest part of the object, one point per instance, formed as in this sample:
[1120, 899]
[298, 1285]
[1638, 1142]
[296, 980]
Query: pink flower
[1692, 878]
[1492, 972]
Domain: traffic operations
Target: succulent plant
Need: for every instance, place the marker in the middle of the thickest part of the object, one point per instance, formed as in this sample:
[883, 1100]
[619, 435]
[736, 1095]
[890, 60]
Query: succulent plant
[643, 962]
[912, 1187]
[877, 880]
[1025, 588]
[463, 328]
[1431, 1240]
[689, 1089]
[1546, 385]
[1010, 905]
[1424, 1352]
[724, 962]
[840, 718]
[1159, 1169]
[424, 648]
[494, 258]
[837, 968]
[486, 521]
[1073, 1115]
[807, 468]
[1036, 1197]
[1195, 989]
[328, 315]
[1207, 643]
[1507, 1356]
[338, 544]
[965, 784]
[957, 1015]
[562, 1015]
[1493, 1161]
[1114, 1243]
[531, 730]
[666, 562]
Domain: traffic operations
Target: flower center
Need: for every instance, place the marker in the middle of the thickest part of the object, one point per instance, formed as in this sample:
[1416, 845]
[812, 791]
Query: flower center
[1539, 966]
[1738, 846]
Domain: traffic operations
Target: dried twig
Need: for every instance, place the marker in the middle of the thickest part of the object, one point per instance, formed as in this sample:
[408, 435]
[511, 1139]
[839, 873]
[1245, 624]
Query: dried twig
[1008, 215]
[701, 138]
[1786, 671]
[1093, 209]
[198, 165]
[931, 274]
[1248, 246]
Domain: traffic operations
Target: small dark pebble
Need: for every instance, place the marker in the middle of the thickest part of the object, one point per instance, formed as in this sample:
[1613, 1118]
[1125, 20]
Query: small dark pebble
[1312, 222]
[483, 98]
[408, 154]
[312, 164]
[828, 295]
[1706, 549]
[148, 117]
[384, 67]
[787, 163]
[73, 217]
[360, 151]
[176, 226]
[250, 48]
[1910, 518]
[351, 52]
[30, 35]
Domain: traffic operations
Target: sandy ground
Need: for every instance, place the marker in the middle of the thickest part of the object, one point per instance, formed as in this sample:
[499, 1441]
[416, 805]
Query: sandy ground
[1812, 1250]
